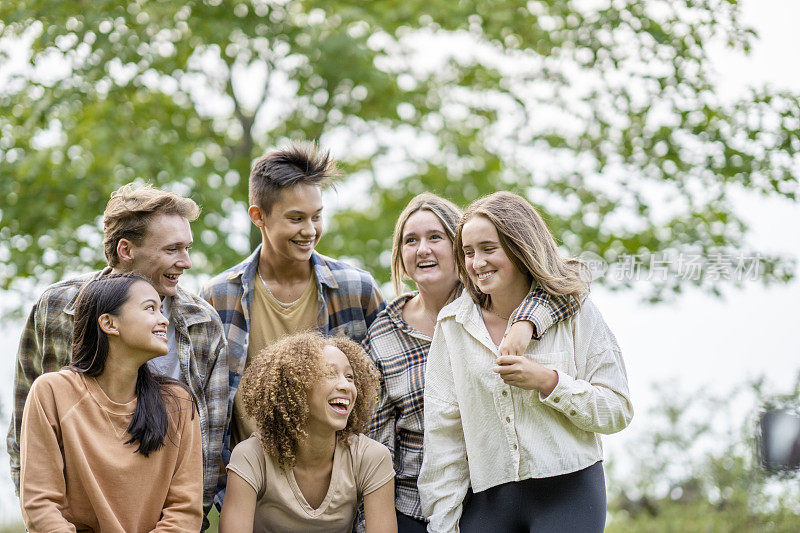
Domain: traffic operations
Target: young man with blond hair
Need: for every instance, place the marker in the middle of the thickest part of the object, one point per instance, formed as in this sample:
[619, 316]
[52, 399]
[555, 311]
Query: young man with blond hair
[146, 231]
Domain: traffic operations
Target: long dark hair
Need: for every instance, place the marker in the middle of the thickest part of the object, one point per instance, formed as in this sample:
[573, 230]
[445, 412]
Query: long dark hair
[106, 295]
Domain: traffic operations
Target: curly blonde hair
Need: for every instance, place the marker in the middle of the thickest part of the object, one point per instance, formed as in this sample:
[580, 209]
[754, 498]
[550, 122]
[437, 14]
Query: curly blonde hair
[275, 390]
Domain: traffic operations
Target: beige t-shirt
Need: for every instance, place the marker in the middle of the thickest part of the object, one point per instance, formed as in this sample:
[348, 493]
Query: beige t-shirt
[269, 321]
[358, 469]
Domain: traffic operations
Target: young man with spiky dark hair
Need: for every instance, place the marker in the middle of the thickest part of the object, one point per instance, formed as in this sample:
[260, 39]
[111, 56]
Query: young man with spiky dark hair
[285, 286]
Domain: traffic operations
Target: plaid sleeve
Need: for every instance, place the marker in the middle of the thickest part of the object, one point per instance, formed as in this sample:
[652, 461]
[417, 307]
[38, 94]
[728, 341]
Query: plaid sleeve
[216, 396]
[381, 427]
[28, 368]
[543, 310]
[374, 303]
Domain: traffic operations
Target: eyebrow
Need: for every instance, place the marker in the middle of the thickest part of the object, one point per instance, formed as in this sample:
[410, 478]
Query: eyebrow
[429, 232]
[177, 243]
[480, 243]
[299, 212]
[154, 302]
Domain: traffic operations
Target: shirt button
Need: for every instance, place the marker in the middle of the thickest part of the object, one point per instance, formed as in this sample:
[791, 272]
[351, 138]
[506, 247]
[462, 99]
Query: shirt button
[505, 393]
[556, 399]
[515, 446]
[572, 413]
[508, 419]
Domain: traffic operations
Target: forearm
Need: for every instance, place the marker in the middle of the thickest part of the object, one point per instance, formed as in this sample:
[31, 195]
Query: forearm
[444, 477]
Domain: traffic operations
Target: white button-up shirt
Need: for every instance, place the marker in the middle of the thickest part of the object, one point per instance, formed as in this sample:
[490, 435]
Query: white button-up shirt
[482, 432]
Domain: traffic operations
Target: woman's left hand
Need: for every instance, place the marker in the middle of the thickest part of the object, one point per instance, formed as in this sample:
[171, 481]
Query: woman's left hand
[525, 373]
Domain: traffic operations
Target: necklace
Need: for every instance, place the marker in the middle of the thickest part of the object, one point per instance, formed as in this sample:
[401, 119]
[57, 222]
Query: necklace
[498, 315]
[282, 304]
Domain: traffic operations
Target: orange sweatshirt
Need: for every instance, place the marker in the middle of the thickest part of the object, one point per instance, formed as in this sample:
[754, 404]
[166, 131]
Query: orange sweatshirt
[78, 475]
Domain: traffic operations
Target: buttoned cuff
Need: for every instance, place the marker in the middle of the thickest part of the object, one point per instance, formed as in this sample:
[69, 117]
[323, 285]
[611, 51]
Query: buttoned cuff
[561, 397]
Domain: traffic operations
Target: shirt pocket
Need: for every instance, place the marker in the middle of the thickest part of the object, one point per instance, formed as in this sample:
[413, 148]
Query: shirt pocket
[562, 361]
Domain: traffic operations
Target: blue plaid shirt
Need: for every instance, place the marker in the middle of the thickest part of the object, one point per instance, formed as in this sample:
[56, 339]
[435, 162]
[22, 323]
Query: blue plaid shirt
[349, 301]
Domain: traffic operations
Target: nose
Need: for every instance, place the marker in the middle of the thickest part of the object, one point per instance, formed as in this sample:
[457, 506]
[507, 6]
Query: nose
[308, 229]
[478, 261]
[162, 319]
[424, 247]
[184, 261]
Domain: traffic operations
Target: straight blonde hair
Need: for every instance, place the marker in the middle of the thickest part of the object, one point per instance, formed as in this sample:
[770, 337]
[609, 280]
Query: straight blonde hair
[528, 243]
[448, 214]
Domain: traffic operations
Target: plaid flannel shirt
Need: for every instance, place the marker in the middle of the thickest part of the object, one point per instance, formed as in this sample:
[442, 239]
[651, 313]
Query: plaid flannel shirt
[46, 346]
[399, 352]
[349, 301]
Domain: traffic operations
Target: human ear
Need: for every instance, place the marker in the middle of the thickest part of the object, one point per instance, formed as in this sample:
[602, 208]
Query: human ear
[256, 215]
[108, 324]
[125, 250]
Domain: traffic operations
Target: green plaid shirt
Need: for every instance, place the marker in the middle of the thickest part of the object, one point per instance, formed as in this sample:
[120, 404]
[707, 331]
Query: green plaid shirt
[46, 346]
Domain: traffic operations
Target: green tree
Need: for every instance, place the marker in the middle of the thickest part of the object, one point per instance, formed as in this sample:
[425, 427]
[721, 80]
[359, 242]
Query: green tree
[694, 468]
[604, 114]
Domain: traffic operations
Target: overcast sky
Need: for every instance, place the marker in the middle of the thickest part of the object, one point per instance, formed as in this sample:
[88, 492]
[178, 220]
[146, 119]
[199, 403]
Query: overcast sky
[696, 341]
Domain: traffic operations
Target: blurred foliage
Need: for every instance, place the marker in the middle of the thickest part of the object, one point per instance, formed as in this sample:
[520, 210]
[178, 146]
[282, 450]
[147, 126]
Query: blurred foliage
[694, 468]
[605, 114]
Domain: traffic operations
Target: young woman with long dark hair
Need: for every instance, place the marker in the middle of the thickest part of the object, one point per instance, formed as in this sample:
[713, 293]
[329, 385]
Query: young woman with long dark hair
[107, 445]
[512, 441]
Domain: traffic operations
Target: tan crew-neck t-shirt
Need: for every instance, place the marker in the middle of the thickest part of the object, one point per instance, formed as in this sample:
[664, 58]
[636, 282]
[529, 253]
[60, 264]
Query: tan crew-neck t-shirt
[269, 321]
[358, 469]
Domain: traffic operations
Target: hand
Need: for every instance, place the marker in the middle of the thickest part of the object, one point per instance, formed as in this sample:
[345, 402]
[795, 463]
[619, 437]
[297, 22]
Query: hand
[525, 373]
[516, 340]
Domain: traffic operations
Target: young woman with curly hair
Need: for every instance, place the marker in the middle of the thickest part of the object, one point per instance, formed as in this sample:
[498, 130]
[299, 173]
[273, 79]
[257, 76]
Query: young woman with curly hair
[512, 442]
[99, 435]
[308, 467]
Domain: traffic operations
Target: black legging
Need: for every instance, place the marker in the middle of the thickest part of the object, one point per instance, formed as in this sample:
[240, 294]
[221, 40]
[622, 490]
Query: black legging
[574, 502]
[408, 524]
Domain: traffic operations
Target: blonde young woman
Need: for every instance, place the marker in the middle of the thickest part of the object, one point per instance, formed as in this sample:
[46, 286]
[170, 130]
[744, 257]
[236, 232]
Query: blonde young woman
[308, 467]
[399, 339]
[512, 441]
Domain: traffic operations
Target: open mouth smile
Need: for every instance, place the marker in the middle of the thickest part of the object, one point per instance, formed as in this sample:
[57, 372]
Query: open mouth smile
[161, 335]
[483, 276]
[427, 264]
[340, 405]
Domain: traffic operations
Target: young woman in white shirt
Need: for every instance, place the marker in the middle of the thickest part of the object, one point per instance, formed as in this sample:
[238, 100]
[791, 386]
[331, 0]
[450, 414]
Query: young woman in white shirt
[308, 468]
[511, 442]
[400, 337]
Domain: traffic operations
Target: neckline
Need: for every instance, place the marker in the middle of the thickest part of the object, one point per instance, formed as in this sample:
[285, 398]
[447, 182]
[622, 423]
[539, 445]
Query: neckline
[298, 494]
[106, 403]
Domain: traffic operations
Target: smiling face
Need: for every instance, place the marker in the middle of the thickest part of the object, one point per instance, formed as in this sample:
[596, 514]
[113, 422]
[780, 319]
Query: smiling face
[294, 225]
[139, 324]
[331, 399]
[487, 264]
[427, 252]
[163, 254]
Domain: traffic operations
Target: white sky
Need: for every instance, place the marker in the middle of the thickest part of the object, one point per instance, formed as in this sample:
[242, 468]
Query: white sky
[696, 341]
